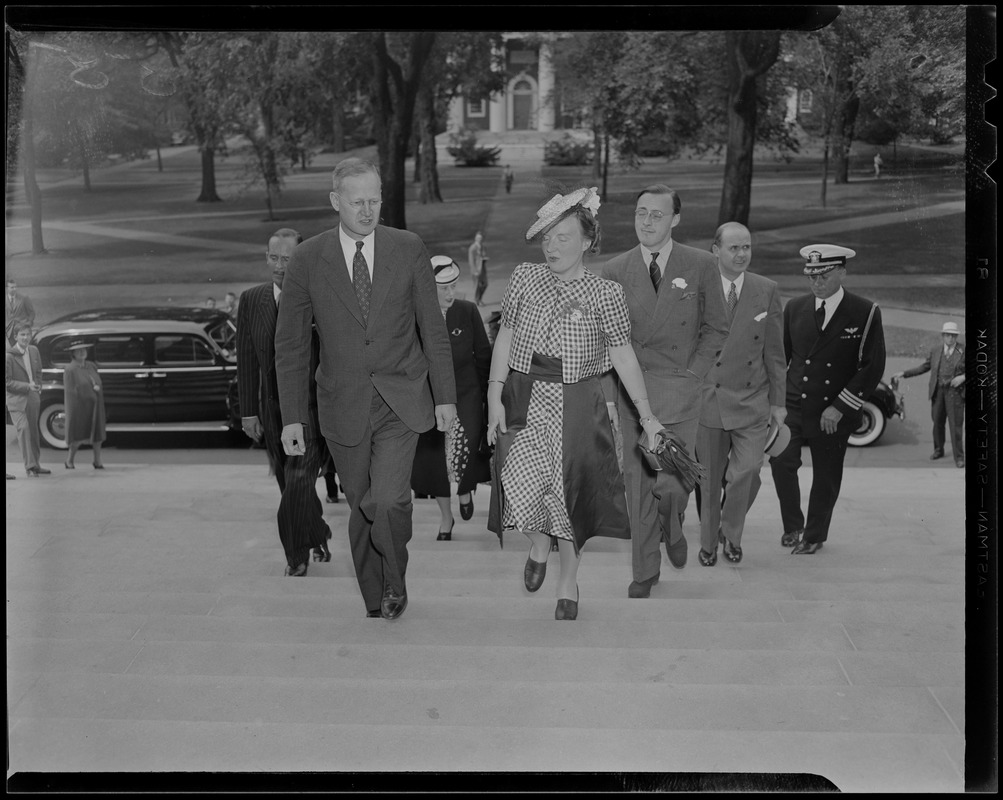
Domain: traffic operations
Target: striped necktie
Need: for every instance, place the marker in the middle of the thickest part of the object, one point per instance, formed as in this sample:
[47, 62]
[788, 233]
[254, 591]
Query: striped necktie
[361, 281]
[732, 299]
[655, 272]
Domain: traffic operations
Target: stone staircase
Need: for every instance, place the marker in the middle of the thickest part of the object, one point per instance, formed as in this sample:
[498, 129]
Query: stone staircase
[150, 629]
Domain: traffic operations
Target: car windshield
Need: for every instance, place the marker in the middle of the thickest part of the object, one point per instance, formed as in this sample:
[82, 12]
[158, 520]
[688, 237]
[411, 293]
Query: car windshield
[225, 335]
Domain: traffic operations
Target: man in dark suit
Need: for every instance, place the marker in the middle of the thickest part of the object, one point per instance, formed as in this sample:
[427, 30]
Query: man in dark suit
[300, 516]
[743, 390]
[946, 365]
[23, 378]
[835, 349]
[678, 326]
[385, 374]
[17, 309]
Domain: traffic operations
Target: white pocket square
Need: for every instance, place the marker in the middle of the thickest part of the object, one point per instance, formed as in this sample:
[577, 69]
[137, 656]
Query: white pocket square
[760, 317]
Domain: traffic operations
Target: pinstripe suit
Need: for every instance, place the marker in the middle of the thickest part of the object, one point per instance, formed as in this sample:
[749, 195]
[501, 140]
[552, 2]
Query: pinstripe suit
[300, 516]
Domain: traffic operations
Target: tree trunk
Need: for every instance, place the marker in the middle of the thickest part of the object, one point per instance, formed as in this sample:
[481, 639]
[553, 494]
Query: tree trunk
[393, 95]
[337, 126]
[32, 192]
[846, 121]
[208, 194]
[160, 162]
[79, 141]
[426, 160]
[597, 150]
[825, 170]
[750, 54]
[605, 163]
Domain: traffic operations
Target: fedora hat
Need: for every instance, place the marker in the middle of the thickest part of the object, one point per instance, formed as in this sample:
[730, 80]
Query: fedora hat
[560, 204]
[777, 439]
[445, 269]
[78, 344]
[951, 327]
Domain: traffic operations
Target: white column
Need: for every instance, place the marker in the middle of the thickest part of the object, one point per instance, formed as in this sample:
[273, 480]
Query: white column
[497, 121]
[456, 113]
[546, 114]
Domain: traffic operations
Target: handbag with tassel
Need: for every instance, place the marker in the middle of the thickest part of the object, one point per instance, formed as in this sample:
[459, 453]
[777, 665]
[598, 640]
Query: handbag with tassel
[670, 454]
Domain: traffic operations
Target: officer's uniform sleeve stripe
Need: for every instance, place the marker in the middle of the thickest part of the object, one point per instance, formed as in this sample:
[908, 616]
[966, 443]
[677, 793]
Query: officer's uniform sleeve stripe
[851, 399]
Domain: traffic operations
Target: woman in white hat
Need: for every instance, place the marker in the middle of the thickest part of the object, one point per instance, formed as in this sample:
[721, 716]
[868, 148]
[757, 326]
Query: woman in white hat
[83, 400]
[471, 361]
[562, 327]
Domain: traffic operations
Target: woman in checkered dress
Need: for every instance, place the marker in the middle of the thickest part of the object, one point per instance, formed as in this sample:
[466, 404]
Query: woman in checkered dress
[562, 327]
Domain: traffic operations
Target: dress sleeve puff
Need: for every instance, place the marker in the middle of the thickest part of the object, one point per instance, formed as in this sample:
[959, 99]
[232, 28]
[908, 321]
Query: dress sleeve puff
[513, 295]
[614, 314]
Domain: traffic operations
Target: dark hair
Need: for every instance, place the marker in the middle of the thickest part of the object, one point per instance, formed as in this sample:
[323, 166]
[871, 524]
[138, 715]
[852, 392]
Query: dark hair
[287, 233]
[661, 188]
[350, 167]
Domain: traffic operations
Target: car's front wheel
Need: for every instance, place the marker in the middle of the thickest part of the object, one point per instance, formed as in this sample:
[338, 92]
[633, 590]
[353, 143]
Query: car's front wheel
[52, 425]
[872, 425]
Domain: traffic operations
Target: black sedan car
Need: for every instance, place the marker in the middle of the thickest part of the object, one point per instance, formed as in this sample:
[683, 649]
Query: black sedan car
[163, 368]
[884, 403]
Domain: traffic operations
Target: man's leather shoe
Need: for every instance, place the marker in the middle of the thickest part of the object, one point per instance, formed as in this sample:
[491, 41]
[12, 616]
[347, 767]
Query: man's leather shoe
[642, 588]
[677, 553]
[393, 604]
[298, 571]
[806, 548]
[732, 553]
[937, 454]
[707, 559]
[791, 538]
[959, 463]
[42, 471]
[534, 573]
[566, 609]
[323, 552]
[373, 614]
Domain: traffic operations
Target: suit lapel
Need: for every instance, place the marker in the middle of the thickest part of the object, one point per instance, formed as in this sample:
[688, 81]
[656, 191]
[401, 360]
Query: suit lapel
[667, 295]
[835, 324]
[268, 313]
[336, 273]
[638, 282]
[383, 270]
[746, 301]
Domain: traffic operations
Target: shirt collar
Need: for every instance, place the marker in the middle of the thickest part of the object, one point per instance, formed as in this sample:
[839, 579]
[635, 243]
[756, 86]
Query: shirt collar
[276, 291]
[663, 254]
[830, 302]
[739, 283]
[348, 245]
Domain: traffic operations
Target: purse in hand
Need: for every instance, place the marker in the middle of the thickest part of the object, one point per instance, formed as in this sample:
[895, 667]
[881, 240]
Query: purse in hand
[670, 454]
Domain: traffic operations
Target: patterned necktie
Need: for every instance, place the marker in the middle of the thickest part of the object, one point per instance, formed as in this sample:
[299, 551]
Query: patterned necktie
[361, 280]
[655, 272]
[732, 299]
[820, 316]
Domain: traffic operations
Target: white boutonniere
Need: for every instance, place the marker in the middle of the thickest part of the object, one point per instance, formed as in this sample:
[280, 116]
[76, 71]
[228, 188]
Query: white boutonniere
[678, 283]
[760, 317]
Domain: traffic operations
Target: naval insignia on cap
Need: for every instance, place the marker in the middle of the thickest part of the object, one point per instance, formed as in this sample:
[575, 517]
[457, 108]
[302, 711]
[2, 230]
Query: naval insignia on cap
[820, 258]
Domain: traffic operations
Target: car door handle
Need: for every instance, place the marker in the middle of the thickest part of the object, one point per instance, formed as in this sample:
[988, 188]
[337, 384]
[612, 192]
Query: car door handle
[141, 375]
[158, 375]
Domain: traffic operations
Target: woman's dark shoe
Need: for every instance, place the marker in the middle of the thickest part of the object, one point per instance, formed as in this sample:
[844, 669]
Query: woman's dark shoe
[567, 609]
[98, 466]
[446, 536]
[707, 559]
[732, 552]
[68, 465]
[467, 509]
[553, 545]
[534, 574]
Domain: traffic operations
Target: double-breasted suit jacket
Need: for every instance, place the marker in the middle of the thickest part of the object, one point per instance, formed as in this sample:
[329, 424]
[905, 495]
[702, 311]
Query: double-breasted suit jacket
[744, 380]
[677, 332]
[300, 517]
[358, 357]
[749, 374]
[837, 367]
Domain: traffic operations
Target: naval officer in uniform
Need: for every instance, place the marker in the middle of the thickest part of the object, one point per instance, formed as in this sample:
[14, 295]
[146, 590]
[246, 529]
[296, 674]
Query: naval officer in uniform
[835, 350]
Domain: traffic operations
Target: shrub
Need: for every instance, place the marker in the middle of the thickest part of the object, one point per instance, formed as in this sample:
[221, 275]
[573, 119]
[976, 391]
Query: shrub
[567, 152]
[466, 152]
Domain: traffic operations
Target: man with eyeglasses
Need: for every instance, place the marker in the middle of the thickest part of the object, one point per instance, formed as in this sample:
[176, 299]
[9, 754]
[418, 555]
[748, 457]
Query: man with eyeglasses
[301, 516]
[835, 350]
[385, 374]
[678, 326]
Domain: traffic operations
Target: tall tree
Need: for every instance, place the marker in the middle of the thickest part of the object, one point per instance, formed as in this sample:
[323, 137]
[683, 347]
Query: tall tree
[398, 61]
[750, 54]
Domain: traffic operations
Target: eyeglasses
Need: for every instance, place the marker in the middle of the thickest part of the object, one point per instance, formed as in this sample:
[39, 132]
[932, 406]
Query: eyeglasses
[642, 214]
[274, 259]
[360, 205]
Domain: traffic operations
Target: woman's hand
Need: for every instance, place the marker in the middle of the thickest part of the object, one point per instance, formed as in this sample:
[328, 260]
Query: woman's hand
[496, 419]
[651, 427]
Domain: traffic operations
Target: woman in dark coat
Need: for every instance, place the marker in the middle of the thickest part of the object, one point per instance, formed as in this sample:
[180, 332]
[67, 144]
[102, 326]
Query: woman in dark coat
[464, 462]
[84, 403]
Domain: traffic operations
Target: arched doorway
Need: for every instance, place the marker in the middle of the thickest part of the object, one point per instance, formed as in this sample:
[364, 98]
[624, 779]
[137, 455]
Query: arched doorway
[522, 103]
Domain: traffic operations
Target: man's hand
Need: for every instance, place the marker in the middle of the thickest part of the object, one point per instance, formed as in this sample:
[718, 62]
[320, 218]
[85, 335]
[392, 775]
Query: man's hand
[957, 380]
[830, 419]
[897, 376]
[34, 387]
[444, 416]
[292, 439]
[252, 427]
[779, 413]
